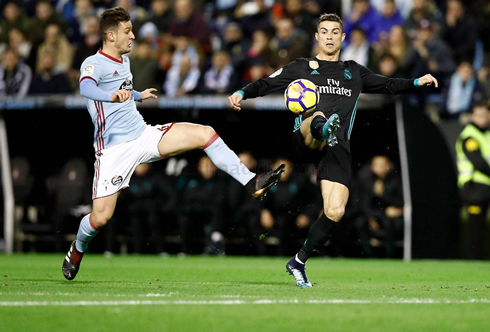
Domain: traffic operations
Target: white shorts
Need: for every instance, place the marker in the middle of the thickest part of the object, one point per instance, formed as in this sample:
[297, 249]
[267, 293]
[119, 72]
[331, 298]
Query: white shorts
[114, 166]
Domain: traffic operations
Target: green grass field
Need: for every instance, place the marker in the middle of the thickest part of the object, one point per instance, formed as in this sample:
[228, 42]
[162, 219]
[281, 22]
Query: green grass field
[148, 293]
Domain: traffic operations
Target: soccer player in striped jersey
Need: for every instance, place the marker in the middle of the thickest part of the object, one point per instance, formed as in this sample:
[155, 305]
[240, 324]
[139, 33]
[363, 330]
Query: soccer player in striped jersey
[122, 139]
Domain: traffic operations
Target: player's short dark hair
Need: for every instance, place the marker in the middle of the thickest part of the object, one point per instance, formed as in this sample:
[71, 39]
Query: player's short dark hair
[111, 18]
[330, 18]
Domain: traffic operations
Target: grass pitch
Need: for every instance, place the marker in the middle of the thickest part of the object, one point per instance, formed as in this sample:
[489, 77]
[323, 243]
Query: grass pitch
[148, 293]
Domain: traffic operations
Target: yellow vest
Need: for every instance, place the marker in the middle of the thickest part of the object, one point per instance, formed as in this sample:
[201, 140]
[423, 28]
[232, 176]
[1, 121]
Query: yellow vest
[466, 169]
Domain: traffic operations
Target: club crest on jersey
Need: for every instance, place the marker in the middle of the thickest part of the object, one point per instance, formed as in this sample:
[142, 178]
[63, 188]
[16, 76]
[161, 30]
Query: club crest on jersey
[127, 85]
[314, 64]
[347, 74]
[117, 180]
[276, 73]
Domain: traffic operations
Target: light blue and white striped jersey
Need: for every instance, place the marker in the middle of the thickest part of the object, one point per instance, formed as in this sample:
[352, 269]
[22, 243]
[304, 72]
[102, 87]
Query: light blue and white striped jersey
[114, 122]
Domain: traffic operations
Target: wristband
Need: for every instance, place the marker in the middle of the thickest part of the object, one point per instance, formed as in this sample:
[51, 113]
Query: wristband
[416, 82]
[240, 92]
[136, 95]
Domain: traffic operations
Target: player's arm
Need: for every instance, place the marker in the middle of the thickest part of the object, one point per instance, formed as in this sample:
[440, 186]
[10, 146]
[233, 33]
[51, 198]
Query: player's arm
[277, 81]
[473, 153]
[375, 83]
[90, 90]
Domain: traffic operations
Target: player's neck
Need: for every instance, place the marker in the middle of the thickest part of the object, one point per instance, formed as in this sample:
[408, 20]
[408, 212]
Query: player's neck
[111, 51]
[326, 57]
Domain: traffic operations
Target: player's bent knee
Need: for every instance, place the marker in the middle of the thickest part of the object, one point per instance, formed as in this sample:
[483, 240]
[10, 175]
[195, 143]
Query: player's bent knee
[335, 213]
[207, 133]
[100, 219]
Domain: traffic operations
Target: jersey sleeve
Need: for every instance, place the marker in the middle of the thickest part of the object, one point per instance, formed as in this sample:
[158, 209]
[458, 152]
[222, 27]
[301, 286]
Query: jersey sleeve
[91, 69]
[277, 81]
[375, 83]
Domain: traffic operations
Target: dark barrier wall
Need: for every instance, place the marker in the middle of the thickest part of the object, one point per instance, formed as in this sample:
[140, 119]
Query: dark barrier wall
[433, 181]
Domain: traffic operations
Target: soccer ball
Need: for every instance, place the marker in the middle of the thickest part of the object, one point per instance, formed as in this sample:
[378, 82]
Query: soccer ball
[301, 96]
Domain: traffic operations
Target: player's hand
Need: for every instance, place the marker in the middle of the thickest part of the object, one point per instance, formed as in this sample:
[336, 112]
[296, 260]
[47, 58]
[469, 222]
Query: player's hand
[428, 80]
[234, 101]
[120, 96]
[148, 93]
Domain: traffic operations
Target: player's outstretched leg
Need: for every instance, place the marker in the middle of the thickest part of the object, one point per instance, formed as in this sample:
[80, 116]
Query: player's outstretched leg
[325, 129]
[185, 137]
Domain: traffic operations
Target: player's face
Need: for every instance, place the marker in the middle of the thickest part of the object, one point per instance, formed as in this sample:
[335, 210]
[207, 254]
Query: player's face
[329, 37]
[124, 37]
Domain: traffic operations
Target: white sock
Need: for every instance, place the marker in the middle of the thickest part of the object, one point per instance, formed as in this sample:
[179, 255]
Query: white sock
[86, 232]
[227, 160]
[297, 260]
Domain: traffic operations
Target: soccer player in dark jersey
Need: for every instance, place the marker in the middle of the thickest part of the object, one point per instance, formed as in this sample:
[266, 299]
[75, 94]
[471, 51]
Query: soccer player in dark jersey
[329, 128]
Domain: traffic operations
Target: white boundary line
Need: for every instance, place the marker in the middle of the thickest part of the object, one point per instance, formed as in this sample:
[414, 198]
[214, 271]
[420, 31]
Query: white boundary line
[235, 302]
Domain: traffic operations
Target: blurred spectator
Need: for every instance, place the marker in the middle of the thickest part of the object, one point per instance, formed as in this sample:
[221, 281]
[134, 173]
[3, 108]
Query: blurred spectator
[202, 206]
[253, 15]
[149, 198]
[15, 76]
[47, 80]
[13, 17]
[68, 195]
[76, 13]
[149, 33]
[389, 17]
[219, 79]
[403, 6]
[464, 90]
[18, 41]
[137, 13]
[362, 16]
[245, 211]
[88, 45]
[397, 46]
[484, 79]
[289, 208]
[183, 75]
[459, 31]
[289, 43]
[302, 19]
[161, 14]
[257, 70]
[388, 66]
[260, 49]
[189, 23]
[430, 54]
[45, 15]
[235, 45]
[473, 149]
[423, 10]
[381, 200]
[358, 49]
[56, 43]
[144, 67]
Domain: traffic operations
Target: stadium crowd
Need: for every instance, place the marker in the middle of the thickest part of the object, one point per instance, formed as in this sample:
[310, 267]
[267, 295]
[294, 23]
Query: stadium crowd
[187, 47]
[215, 47]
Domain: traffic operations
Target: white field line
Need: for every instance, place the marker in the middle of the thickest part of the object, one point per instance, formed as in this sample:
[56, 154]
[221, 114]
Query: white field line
[235, 302]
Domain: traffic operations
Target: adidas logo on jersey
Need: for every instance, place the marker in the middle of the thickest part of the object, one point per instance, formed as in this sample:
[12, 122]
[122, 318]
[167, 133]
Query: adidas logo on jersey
[115, 73]
[314, 72]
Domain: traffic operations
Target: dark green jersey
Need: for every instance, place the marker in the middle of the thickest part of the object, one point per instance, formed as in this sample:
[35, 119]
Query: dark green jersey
[340, 84]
